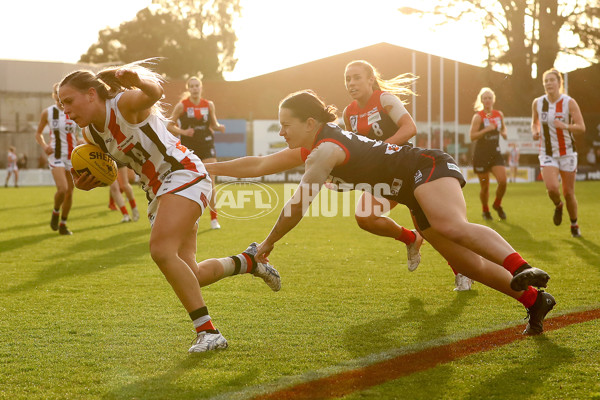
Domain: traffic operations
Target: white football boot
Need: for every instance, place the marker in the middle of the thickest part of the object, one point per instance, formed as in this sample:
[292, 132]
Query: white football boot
[412, 250]
[265, 271]
[206, 341]
[214, 224]
[462, 283]
[135, 214]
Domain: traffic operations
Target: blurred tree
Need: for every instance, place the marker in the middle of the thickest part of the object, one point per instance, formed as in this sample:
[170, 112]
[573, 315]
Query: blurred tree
[527, 36]
[192, 36]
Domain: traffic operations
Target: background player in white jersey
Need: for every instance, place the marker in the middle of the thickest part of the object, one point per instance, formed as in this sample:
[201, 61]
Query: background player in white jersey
[487, 126]
[431, 189]
[11, 166]
[119, 108]
[378, 113]
[555, 118]
[194, 120]
[64, 136]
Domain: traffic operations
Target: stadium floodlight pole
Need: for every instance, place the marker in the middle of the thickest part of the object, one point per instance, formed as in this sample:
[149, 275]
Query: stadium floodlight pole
[428, 100]
[456, 111]
[442, 103]
[414, 90]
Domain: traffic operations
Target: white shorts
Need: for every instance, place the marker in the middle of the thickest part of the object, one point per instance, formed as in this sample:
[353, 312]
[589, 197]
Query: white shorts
[12, 168]
[566, 163]
[192, 185]
[54, 162]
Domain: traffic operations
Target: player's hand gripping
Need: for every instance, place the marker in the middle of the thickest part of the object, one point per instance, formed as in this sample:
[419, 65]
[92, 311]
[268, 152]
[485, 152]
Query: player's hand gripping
[263, 251]
[128, 78]
[85, 181]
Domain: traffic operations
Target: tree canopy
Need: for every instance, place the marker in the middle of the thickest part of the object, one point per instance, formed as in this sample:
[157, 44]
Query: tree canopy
[527, 36]
[191, 37]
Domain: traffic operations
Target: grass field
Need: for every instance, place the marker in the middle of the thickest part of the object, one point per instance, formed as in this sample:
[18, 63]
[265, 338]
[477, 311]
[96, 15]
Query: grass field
[91, 317]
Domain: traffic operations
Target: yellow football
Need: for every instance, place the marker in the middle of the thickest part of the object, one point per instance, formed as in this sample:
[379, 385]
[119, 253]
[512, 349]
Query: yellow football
[91, 159]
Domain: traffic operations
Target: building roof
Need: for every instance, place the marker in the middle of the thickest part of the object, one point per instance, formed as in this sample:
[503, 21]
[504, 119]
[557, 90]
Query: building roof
[34, 76]
[258, 97]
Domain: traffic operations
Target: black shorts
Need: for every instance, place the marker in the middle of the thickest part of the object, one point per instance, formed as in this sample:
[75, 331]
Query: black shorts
[428, 169]
[484, 161]
[202, 145]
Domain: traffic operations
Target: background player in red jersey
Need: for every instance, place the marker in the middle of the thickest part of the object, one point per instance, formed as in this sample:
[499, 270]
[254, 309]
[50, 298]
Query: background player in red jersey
[63, 138]
[194, 120]
[555, 117]
[487, 126]
[377, 112]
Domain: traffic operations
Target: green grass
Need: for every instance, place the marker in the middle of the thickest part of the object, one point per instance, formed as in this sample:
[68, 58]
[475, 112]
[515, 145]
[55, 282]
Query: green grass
[90, 316]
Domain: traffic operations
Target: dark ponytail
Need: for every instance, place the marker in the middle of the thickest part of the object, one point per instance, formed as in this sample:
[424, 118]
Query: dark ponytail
[83, 80]
[306, 104]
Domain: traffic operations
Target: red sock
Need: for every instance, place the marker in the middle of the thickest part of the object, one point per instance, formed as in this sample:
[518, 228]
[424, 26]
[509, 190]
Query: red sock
[497, 202]
[453, 270]
[124, 210]
[406, 236]
[528, 297]
[213, 214]
[111, 203]
[486, 208]
[132, 203]
[512, 262]
[205, 326]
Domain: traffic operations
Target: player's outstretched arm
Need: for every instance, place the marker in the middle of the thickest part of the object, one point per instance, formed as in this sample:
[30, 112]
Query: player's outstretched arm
[254, 166]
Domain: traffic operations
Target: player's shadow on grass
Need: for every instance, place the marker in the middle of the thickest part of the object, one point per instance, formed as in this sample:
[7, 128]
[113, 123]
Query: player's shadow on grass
[21, 241]
[123, 246]
[585, 249]
[430, 325]
[36, 206]
[167, 385]
[516, 234]
[527, 375]
[44, 220]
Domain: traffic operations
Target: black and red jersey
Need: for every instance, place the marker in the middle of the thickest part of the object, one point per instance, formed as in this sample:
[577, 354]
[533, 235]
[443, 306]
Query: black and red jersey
[371, 121]
[195, 116]
[397, 169]
[489, 143]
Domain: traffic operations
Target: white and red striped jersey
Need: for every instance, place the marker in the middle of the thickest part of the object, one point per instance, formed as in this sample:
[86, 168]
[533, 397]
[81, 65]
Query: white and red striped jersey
[554, 142]
[147, 148]
[63, 133]
[12, 161]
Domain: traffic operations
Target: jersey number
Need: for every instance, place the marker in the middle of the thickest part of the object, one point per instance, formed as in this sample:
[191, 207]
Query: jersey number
[377, 129]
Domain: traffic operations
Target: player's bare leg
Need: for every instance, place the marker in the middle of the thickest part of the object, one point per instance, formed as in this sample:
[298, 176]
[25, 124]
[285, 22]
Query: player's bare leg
[214, 222]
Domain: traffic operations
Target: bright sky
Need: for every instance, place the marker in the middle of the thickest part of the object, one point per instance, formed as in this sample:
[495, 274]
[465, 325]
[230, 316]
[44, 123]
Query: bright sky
[272, 34]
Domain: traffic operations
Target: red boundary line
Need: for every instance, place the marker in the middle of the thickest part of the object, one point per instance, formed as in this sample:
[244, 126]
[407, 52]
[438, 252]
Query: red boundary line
[363, 378]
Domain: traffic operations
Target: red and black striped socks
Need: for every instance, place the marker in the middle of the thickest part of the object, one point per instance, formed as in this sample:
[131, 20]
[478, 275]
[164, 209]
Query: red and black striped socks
[202, 321]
